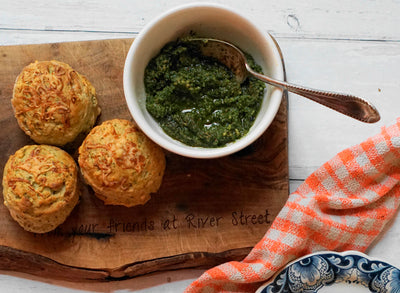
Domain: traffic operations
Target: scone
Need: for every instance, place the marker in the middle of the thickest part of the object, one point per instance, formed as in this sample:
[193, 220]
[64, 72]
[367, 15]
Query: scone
[121, 164]
[40, 187]
[53, 103]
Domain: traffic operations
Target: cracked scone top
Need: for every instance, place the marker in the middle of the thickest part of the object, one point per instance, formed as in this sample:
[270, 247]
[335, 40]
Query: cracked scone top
[121, 164]
[53, 103]
[40, 187]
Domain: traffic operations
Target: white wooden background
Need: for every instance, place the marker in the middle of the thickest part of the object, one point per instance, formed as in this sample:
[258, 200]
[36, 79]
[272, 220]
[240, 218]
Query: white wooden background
[350, 46]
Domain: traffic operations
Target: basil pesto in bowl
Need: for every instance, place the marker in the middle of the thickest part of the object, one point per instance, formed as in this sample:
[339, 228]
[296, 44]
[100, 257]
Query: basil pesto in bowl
[197, 100]
[200, 111]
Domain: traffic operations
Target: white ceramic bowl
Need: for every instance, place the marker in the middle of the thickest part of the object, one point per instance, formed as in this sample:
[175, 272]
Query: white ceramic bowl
[206, 20]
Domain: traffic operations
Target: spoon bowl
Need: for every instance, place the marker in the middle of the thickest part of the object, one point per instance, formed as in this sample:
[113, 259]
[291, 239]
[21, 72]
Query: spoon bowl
[231, 56]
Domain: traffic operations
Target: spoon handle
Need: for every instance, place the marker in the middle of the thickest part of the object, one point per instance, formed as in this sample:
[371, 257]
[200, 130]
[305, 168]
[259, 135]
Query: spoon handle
[349, 105]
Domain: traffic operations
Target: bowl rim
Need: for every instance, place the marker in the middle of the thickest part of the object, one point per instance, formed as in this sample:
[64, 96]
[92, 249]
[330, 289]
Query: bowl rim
[178, 147]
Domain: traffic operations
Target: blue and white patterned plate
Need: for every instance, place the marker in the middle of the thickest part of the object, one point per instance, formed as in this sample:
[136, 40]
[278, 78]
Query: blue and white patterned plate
[350, 271]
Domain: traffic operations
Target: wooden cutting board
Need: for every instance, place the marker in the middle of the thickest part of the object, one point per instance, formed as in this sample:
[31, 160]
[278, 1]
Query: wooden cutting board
[205, 213]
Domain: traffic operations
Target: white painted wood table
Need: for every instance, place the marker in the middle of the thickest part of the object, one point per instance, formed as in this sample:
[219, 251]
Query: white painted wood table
[350, 46]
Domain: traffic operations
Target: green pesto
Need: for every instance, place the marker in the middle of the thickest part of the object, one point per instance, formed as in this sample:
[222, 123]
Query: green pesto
[197, 100]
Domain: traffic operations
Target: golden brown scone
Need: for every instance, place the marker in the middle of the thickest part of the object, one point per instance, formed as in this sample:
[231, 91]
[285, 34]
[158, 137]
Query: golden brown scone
[40, 187]
[53, 103]
[121, 164]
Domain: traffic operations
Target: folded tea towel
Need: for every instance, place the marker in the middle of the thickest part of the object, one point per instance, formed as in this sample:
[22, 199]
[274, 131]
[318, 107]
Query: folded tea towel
[342, 206]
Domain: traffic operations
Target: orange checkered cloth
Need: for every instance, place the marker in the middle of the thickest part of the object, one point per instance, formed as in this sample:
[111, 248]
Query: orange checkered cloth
[342, 206]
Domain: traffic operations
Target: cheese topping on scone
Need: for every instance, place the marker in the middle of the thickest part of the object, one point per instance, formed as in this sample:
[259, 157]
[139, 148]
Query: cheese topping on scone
[53, 103]
[121, 164]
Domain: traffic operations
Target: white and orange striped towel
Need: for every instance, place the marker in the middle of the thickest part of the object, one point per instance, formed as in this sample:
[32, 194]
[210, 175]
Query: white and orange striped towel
[342, 206]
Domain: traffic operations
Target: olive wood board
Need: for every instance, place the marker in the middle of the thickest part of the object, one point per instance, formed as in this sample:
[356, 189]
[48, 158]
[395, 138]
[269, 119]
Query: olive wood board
[206, 212]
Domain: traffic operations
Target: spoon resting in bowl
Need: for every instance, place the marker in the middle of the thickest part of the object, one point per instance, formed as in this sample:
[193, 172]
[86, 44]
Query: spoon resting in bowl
[231, 56]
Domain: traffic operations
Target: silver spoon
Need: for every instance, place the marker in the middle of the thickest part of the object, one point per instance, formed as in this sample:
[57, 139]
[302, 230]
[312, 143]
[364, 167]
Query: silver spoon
[234, 59]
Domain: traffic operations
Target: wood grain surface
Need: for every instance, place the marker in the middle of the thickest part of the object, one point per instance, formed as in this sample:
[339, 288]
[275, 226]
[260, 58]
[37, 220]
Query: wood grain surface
[206, 211]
